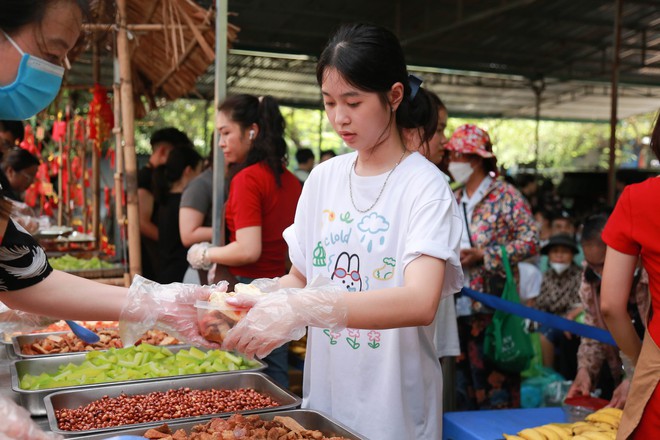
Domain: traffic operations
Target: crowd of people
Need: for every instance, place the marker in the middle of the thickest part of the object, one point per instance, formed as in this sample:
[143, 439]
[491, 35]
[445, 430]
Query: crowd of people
[366, 251]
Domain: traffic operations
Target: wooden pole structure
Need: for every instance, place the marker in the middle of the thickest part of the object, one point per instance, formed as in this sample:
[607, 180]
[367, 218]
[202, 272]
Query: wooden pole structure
[611, 172]
[92, 27]
[220, 93]
[96, 155]
[128, 119]
[60, 181]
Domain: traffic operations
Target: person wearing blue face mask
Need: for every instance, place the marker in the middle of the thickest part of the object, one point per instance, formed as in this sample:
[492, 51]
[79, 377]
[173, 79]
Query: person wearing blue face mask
[35, 37]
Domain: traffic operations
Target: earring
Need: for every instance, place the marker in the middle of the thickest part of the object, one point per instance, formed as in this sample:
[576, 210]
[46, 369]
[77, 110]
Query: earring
[251, 135]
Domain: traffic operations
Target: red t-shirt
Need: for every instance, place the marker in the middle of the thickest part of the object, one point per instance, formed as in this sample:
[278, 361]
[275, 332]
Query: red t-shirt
[256, 200]
[633, 229]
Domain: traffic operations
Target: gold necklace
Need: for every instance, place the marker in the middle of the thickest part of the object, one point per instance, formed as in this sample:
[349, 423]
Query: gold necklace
[350, 184]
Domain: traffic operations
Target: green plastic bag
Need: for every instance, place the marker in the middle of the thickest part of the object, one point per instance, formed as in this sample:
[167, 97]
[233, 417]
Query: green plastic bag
[506, 343]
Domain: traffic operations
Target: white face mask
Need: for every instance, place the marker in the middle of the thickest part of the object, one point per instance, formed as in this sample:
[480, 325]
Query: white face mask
[460, 171]
[560, 267]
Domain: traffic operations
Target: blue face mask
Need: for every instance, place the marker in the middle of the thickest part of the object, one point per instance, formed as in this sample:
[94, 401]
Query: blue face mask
[37, 84]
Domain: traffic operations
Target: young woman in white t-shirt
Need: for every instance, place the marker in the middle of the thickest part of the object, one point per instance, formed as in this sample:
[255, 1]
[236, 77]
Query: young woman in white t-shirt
[382, 223]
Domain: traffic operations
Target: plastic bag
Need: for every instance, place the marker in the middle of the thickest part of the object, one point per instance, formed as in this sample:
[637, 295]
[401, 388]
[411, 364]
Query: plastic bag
[15, 424]
[506, 343]
[167, 307]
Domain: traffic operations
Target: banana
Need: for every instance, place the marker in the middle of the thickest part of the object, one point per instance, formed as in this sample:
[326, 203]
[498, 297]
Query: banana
[548, 433]
[605, 427]
[512, 437]
[616, 412]
[531, 434]
[562, 432]
[603, 418]
[593, 435]
[578, 428]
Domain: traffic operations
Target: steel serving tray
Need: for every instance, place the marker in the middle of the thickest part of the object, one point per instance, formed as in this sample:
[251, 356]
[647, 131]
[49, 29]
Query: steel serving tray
[256, 381]
[33, 400]
[309, 419]
[19, 340]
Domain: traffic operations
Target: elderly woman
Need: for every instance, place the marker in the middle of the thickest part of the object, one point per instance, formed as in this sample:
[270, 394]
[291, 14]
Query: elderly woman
[494, 214]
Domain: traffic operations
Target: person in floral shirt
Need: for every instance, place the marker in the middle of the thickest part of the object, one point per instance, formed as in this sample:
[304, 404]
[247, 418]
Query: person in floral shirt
[494, 214]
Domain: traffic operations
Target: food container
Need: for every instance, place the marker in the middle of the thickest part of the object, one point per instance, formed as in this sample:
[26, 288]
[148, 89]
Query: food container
[215, 320]
[308, 418]
[577, 408]
[19, 340]
[7, 350]
[33, 400]
[256, 381]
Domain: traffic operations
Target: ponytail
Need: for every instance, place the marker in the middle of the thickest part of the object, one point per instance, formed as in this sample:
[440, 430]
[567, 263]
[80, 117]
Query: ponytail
[420, 112]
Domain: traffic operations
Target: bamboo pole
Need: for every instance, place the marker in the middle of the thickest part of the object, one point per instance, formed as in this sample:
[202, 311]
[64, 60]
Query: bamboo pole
[198, 35]
[128, 120]
[93, 27]
[96, 156]
[220, 93]
[611, 172]
[60, 190]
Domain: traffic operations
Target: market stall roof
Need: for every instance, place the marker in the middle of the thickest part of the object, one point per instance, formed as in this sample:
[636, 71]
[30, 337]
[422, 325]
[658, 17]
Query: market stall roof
[482, 57]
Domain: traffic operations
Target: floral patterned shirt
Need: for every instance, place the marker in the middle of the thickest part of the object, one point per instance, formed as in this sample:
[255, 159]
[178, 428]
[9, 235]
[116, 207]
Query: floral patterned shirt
[592, 353]
[502, 217]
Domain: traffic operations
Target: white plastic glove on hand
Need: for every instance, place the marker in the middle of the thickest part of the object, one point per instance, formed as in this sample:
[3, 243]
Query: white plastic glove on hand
[167, 307]
[197, 257]
[282, 315]
[17, 424]
[13, 321]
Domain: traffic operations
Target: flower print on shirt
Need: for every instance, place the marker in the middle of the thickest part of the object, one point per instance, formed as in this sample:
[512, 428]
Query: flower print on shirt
[373, 227]
[352, 339]
[374, 339]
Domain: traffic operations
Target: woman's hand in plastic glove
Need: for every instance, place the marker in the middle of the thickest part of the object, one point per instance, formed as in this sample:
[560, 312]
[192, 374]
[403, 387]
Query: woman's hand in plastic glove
[17, 425]
[197, 257]
[282, 316]
[167, 307]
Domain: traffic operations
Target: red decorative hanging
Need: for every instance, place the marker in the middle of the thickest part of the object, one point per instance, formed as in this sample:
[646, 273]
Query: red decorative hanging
[100, 118]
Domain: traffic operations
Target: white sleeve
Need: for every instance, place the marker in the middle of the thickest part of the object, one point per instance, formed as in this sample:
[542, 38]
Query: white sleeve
[295, 235]
[530, 281]
[435, 230]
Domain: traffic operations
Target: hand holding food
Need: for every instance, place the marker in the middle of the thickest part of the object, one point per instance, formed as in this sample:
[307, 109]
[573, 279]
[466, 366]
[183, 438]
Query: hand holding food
[282, 316]
[197, 257]
[166, 307]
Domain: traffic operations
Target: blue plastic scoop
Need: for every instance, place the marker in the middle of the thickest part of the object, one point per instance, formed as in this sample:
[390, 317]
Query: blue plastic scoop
[85, 334]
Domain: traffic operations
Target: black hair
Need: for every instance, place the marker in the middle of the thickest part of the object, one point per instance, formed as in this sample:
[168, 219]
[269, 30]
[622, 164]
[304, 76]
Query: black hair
[303, 155]
[269, 146]
[14, 127]
[436, 100]
[166, 175]
[14, 14]
[172, 136]
[19, 159]
[655, 138]
[329, 152]
[593, 227]
[370, 58]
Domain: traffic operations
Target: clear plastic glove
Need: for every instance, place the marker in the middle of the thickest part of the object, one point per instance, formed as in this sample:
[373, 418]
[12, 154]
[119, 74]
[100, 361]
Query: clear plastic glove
[282, 315]
[16, 321]
[17, 424]
[197, 257]
[167, 307]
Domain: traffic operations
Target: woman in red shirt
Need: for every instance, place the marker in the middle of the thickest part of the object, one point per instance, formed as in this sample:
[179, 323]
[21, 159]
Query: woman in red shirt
[631, 232]
[262, 201]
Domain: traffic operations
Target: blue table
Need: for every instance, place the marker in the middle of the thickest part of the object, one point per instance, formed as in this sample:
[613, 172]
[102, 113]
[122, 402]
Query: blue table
[490, 424]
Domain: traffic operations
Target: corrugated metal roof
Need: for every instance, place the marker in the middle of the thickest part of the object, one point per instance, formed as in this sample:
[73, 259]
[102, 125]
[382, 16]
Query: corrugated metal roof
[480, 56]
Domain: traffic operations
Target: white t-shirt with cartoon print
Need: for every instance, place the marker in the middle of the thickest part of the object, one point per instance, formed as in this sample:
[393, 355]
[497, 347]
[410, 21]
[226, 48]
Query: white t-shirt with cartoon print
[385, 384]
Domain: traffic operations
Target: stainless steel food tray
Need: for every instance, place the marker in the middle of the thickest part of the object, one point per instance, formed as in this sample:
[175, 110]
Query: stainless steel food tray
[33, 400]
[7, 350]
[19, 340]
[256, 381]
[308, 418]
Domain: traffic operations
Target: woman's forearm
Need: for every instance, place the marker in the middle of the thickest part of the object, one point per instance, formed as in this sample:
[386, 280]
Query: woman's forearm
[65, 296]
